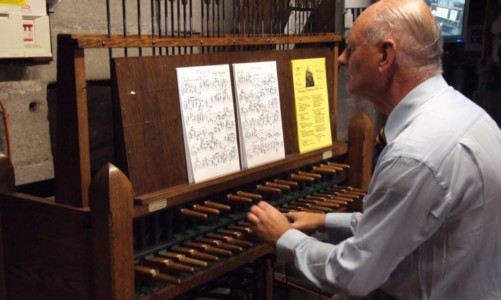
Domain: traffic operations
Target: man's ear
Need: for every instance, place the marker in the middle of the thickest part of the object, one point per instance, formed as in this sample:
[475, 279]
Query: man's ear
[388, 50]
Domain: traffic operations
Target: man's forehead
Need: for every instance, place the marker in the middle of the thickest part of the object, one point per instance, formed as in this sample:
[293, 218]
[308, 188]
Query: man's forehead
[353, 36]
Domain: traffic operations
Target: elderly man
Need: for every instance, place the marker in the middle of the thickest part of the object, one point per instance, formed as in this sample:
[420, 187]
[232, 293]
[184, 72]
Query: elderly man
[431, 227]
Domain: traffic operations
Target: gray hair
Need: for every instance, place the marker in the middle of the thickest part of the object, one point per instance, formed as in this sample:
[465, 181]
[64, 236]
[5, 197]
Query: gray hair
[412, 26]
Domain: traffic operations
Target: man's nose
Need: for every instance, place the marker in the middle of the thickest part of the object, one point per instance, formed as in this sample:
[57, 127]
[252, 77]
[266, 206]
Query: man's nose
[342, 59]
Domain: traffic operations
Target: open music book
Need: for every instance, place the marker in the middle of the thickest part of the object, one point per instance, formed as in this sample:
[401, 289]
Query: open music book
[258, 113]
[208, 119]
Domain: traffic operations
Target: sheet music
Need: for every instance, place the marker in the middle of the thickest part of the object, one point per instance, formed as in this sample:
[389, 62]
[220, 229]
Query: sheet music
[208, 118]
[258, 113]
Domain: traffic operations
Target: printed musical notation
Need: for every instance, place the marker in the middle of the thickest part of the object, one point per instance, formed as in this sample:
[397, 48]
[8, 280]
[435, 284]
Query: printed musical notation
[312, 104]
[208, 118]
[258, 113]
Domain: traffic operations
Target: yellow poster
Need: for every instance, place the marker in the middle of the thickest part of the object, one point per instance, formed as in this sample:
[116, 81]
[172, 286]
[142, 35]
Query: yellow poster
[13, 2]
[312, 104]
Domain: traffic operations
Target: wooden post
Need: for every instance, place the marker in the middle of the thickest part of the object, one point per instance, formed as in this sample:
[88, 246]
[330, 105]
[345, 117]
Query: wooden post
[72, 158]
[361, 150]
[111, 204]
[7, 185]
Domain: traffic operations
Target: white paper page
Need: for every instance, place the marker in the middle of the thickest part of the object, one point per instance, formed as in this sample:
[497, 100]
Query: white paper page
[208, 118]
[259, 115]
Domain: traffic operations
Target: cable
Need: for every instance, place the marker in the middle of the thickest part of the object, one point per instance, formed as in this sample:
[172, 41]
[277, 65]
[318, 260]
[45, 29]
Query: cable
[5, 117]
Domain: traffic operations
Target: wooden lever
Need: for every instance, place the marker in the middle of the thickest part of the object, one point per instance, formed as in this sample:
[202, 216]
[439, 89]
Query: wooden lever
[220, 244]
[149, 274]
[253, 196]
[231, 240]
[167, 265]
[218, 206]
[205, 209]
[209, 249]
[181, 258]
[196, 254]
[194, 214]
[235, 198]
[282, 187]
[314, 175]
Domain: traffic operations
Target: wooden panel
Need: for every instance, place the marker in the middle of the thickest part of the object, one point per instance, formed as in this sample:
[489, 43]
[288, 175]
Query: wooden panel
[150, 146]
[46, 249]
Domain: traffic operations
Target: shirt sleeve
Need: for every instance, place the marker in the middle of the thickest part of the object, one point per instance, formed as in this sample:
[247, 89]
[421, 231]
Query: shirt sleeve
[405, 205]
[339, 226]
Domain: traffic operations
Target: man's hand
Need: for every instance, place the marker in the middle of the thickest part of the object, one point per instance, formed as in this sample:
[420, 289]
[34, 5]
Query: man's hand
[307, 222]
[267, 222]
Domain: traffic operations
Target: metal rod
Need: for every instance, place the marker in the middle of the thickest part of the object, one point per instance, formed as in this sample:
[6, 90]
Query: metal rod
[152, 15]
[166, 23]
[262, 18]
[159, 22]
[124, 24]
[179, 23]
[184, 22]
[139, 25]
[224, 18]
[108, 17]
[234, 17]
[191, 22]
[172, 28]
[202, 13]
[218, 17]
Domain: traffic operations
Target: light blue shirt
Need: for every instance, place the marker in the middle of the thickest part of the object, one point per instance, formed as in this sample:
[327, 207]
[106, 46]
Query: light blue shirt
[431, 227]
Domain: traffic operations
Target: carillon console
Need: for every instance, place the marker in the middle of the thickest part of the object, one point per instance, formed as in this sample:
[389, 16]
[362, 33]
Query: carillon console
[139, 228]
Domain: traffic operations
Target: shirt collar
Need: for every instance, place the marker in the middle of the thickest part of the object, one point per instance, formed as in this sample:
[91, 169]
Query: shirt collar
[400, 116]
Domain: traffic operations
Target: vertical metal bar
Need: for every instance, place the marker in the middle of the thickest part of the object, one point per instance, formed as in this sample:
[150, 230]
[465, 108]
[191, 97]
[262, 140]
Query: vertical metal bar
[300, 17]
[288, 11]
[252, 16]
[124, 24]
[207, 3]
[245, 7]
[234, 17]
[184, 21]
[272, 16]
[166, 23]
[224, 18]
[262, 18]
[239, 16]
[139, 25]
[152, 15]
[218, 17]
[191, 23]
[108, 19]
[294, 10]
[202, 13]
[286, 18]
[214, 18]
[179, 23]
[172, 28]
[159, 23]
